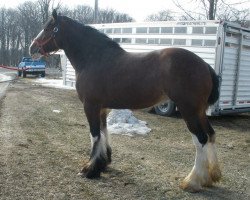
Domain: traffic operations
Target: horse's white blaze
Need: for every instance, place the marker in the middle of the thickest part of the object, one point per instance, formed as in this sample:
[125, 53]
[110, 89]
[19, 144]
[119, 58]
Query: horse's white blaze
[39, 34]
[37, 37]
[36, 55]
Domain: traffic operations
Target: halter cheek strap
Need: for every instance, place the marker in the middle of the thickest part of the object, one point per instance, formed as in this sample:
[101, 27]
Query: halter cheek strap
[41, 44]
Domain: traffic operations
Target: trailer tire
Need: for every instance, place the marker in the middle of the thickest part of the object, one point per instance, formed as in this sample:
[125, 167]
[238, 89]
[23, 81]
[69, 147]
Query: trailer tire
[167, 108]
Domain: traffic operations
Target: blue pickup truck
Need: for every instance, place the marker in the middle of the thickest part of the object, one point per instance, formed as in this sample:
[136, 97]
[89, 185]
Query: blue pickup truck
[29, 66]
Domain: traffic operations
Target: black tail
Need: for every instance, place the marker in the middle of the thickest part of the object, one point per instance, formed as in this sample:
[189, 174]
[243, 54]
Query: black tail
[215, 90]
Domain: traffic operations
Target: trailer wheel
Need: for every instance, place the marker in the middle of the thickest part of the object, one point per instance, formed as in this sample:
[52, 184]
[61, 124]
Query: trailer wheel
[167, 108]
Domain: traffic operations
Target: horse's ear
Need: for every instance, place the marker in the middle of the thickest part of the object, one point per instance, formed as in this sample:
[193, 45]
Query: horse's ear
[54, 14]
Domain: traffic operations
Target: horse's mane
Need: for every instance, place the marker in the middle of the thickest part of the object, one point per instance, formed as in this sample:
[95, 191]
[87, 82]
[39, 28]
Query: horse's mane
[91, 33]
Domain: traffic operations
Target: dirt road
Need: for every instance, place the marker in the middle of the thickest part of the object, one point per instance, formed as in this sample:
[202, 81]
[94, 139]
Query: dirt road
[41, 152]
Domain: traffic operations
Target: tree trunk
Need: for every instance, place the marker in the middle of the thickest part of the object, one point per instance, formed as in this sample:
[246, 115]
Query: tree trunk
[211, 12]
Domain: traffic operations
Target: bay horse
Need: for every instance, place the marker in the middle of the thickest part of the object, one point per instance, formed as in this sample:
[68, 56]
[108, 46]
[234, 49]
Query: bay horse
[108, 77]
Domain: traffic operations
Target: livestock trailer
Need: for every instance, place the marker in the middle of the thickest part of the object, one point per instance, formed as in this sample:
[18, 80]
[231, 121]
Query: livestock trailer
[223, 45]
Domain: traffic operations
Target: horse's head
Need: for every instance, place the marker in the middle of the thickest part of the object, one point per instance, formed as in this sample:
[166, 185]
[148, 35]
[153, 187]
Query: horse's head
[49, 39]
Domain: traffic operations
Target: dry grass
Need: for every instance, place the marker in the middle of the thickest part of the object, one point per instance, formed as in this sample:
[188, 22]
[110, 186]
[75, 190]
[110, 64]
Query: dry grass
[41, 152]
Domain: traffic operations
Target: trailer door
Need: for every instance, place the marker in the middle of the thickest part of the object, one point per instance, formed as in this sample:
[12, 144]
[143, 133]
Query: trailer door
[235, 85]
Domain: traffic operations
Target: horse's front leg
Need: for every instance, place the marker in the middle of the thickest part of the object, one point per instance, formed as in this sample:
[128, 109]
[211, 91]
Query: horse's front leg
[98, 158]
[104, 130]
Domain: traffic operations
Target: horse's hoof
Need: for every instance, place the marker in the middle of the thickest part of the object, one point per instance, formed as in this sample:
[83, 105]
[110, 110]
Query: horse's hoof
[93, 169]
[190, 187]
[89, 173]
[93, 174]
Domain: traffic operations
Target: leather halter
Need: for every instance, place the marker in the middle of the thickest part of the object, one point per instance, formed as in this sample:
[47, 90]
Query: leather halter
[41, 43]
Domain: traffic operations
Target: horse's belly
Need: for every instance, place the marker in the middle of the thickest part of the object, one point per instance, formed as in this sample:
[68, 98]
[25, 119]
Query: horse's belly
[135, 101]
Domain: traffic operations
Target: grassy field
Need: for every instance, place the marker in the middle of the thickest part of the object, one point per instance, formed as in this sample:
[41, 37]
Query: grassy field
[42, 151]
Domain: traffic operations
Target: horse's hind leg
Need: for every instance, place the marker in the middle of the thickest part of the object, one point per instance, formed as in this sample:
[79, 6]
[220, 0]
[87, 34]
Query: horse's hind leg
[214, 169]
[98, 158]
[199, 176]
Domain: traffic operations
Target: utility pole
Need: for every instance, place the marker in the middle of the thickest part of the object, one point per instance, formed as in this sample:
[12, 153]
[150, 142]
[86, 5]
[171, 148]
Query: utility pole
[96, 12]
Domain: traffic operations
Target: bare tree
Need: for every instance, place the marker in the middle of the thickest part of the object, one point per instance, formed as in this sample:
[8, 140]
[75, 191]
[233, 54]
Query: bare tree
[215, 9]
[2, 35]
[83, 14]
[112, 16]
[30, 23]
[45, 7]
[229, 13]
[164, 15]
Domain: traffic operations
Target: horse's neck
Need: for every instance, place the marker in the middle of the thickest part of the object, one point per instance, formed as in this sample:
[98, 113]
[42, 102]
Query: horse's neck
[84, 48]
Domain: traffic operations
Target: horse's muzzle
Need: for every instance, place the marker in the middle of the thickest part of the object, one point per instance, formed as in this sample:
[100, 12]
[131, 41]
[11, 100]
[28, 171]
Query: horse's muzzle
[35, 51]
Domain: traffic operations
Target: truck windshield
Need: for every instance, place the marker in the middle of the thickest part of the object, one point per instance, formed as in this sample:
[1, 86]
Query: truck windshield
[27, 60]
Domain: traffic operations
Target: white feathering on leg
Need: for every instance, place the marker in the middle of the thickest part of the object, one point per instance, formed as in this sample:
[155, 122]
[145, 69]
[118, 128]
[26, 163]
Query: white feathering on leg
[101, 148]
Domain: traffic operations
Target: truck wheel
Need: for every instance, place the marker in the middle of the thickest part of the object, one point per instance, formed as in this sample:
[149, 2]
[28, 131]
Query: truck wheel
[165, 109]
[24, 74]
[43, 74]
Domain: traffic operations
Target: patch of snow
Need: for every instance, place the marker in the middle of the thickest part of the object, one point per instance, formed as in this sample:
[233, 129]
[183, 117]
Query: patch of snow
[4, 77]
[124, 122]
[55, 83]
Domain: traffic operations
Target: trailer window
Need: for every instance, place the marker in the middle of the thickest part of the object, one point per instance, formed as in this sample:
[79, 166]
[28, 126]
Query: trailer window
[196, 42]
[126, 40]
[127, 30]
[154, 30]
[153, 41]
[141, 30]
[179, 42]
[166, 30]
[166, 41]
[210, 43]
[210, 30]
[198, 30]
[108, 30]
[140, 41]
[117, 30]
[180, 30]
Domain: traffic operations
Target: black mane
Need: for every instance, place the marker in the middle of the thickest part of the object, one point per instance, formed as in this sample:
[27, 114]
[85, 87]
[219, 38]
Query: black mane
[93, 32]
[91, 44]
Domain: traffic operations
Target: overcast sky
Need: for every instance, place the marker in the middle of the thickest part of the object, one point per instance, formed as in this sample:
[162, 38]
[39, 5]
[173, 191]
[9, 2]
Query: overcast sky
[138, 9]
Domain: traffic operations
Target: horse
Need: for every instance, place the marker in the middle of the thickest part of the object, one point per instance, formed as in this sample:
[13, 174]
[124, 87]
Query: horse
[108, 77]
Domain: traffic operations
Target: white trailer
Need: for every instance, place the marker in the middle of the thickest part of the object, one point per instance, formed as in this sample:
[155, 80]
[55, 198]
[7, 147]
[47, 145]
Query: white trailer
[223, 45]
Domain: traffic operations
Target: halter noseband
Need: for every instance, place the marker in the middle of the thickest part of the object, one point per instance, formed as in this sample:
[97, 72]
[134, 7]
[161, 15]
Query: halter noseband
[41, 44]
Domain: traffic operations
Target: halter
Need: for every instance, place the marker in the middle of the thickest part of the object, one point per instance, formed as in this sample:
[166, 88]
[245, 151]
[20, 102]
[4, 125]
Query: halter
[41, 44]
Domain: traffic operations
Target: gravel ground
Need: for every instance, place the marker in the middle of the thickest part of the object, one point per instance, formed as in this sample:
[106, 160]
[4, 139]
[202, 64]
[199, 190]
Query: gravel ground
[42, 151]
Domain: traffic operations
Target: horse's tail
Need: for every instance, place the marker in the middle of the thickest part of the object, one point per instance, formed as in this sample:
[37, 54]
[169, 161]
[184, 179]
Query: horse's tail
[215, 90]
